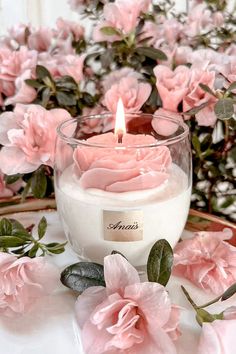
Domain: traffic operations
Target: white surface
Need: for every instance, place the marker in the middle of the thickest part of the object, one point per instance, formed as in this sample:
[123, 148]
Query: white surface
[50, 327]
[164, 211]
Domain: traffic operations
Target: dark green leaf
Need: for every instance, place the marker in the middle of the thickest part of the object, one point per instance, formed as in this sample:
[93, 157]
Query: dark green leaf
[55, 247]
[152, 53]
[46, 94]
[224, 108]
[66, 82]
[5, 227]
[66, 99]
[12, 179]
[229, 292]
[39, 184]
[197, 109]
[207, 89]
[160, 261]
[33, 251]
[232, 86]
[42, 227]
[19, 230]
[33, 83]
[110, 31]
[82, 275]
[42, 72]
[196, 144]
[11, 241]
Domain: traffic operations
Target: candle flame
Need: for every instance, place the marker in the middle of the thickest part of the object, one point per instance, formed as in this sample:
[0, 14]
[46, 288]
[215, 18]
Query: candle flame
[120, 128]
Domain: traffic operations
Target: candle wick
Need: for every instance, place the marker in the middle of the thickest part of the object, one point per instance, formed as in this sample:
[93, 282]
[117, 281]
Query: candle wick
[120, 138]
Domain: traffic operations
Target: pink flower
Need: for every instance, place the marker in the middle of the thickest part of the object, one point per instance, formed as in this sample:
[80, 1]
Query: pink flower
[4, 191]
[172, 85]
[163, 126]
[41, 39]
[66, 28]
[207, 260]
[230, 313]
[132, 92]
[122, 171]
[217, 337]
[17, 35]
[24, 93]
[22, 281]
[122, 15]
[28, 135]
[197, 96]
[115, 77]
[71, 65]
[76, 4]
[127, 316]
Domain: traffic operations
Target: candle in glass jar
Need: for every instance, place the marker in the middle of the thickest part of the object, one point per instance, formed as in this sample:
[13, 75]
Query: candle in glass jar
[122, 192]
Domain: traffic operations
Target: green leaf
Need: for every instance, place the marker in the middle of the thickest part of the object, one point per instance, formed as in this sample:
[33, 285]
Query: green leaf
[12, 179]
[33, 251]
[232, 87]
[151, 53]
[42, 227]
[19, 230]
[110, 31]
[5, 227]
[66, 99]
[42, 72]
[207, 89]
[82, 275]
[66, 82]
[160, 261]
[46, 94]
[11, 241]
[39, 184]
[229, 292]
[196, 144]
[55, 247]
[33, 83]
[197, 109]
[224, 108]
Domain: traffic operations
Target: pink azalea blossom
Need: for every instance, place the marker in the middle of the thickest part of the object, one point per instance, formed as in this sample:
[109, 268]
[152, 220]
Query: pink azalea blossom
[132, 92]
[41, 40]
[66, 28]
[122, 15]
[71, 65]
[115, 76]
[207, 260]
[127, 316]
[197, 96]
[23, 281]
[217, 337]
[28, 135]
[230, 313]
[17, 36]
[172, 85]
[163, 126]
[24, 93]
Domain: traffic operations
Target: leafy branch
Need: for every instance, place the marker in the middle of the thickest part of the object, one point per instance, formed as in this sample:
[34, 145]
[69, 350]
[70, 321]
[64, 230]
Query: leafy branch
[17, 240]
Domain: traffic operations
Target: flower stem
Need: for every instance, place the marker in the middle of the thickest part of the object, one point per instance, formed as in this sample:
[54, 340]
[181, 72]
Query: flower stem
[210, 302]
[189, 298]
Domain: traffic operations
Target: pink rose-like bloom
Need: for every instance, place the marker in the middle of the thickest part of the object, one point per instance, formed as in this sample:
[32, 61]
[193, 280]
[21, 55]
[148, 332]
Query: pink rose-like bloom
[172, 85]
[207, 260]
[122, 15]
[132, 92]
[217, 337]
[28, 135]
[197, 96]
[71, 65]
[41, 39]
[115, 77]
[66, 28]
[163, 126]
[122, 171]
[22, 281]
[127, 316]
[24, 93]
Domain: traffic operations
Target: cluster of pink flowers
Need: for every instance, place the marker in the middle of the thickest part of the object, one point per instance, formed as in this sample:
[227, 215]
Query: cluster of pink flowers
[25, 47]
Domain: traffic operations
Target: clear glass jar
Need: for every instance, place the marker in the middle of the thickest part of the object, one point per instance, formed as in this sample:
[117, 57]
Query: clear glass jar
[124, 195]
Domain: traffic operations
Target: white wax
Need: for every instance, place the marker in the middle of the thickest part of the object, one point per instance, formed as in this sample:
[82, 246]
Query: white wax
[165, 211]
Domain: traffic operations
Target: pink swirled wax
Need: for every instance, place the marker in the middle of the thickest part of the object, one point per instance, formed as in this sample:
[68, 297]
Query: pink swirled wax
[122, 167]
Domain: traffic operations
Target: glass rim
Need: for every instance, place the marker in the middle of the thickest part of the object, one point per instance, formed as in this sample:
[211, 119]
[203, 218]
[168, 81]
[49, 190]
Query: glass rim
[166, 142]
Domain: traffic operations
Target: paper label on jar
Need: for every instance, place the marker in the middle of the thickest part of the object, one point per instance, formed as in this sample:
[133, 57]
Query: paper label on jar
[123, 226]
